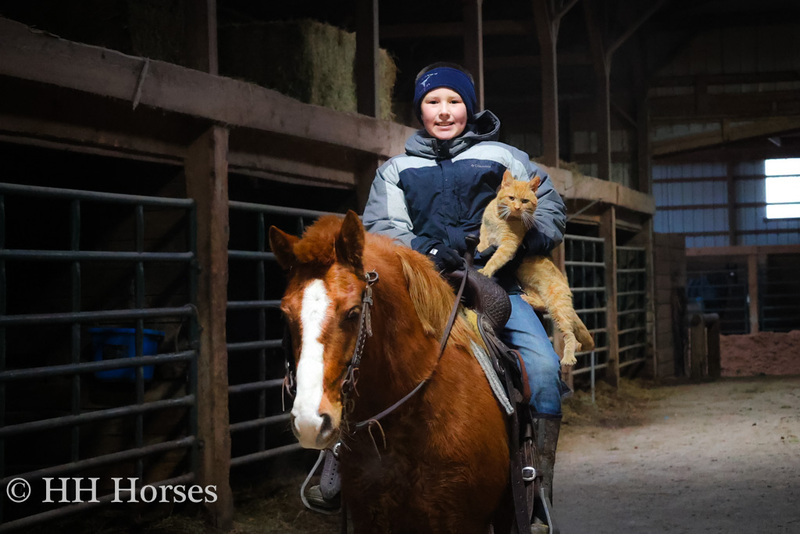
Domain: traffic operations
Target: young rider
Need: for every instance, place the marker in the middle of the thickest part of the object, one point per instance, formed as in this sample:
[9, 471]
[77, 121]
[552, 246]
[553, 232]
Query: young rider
[433, 196]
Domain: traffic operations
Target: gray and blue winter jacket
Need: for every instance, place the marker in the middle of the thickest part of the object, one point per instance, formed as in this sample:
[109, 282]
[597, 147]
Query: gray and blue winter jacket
[436, 192]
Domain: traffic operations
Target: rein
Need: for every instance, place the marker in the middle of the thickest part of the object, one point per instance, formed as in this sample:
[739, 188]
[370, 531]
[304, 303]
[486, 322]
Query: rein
[351, 376]
[365, 330]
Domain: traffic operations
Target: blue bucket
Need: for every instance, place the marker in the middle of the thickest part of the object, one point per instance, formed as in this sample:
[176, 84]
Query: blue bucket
[115, 343]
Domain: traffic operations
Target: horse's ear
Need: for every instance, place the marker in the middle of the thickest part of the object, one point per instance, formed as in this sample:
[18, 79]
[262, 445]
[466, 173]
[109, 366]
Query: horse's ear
[350, 243]
[282, 245]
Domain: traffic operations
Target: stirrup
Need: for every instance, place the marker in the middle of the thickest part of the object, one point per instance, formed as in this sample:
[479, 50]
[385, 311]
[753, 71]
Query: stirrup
[303, 488]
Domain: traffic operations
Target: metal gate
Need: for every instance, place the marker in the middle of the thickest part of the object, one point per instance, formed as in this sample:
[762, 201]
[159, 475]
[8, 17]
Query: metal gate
[95, 406]
[631, 305]
[259, 425]
[585, 268]
[720, 287]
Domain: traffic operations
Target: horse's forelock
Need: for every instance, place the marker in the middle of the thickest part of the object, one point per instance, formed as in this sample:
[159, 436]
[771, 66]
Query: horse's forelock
[318, 242]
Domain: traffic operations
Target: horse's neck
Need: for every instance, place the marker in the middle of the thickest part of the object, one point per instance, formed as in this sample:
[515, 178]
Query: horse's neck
[396, 358]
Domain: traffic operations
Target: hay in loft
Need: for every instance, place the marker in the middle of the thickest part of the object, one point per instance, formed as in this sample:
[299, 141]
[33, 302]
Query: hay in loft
[305, 59]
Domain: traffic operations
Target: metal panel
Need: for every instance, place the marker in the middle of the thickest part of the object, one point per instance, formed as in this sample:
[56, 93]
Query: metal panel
[585, 268]
[720, 287]
[632, 304]
[58, 415]
[259, 423]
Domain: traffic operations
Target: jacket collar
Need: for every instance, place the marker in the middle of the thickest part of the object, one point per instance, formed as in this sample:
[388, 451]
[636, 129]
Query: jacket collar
[484, 126]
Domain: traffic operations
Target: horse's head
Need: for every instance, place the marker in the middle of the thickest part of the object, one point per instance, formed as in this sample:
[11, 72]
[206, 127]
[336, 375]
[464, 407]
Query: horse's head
[322, 307]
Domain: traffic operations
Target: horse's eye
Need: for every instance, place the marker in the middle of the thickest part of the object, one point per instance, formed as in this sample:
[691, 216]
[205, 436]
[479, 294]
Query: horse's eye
[353, 313]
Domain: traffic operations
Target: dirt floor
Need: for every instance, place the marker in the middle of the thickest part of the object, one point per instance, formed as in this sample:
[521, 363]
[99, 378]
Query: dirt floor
[713, 457]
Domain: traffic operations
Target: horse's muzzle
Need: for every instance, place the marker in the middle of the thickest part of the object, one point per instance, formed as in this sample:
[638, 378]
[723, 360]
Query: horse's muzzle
[315, 431]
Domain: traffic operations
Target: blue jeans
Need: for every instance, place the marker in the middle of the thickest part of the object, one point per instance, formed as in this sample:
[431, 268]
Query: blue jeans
[525, 333]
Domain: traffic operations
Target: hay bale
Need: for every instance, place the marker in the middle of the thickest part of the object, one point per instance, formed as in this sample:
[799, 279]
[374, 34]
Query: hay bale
[157, 29]
[305, 59]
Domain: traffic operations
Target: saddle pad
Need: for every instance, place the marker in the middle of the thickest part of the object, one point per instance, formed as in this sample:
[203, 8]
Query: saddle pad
[494, 381]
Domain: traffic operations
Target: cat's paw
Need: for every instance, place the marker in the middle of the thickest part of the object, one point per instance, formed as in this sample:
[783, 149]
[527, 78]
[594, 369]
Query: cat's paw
[569, 360]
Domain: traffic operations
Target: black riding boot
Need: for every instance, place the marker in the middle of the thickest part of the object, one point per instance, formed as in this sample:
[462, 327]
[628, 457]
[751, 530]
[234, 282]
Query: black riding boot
[547, 431]
[326, 496]
[547, 436]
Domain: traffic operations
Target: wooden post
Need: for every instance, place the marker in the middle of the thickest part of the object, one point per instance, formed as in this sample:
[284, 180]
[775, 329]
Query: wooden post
[644, 155]
[608, 231]
[698, 352]
[713, 355]
[201, 35]
[366, 165]
[602, 68]
[752, 290]
[547, 31]
[206, 167]
[367, 58]
[473, 45]
[602, 51]
[732, 225]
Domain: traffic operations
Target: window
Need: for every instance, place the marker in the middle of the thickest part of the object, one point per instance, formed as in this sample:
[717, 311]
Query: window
[783, 188]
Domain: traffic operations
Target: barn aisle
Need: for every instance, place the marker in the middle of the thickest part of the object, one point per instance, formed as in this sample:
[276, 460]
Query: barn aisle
[721, 457]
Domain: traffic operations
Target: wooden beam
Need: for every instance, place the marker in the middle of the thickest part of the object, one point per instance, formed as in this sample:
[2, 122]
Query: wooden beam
[726, 134]
[602, 191]
[742, 250]
[367, 58]
[735, 106]
[564, 59]
[207, 183]
[448, 30]
[741, 78]
[473, 45]
[47, 59]
[619, 41]
[201, 35]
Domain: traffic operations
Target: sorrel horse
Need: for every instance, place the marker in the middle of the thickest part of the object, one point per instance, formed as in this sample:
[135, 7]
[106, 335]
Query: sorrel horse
[439, 462]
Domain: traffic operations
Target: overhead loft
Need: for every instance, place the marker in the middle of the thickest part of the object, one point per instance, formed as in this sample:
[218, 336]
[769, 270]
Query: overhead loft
[146, 109]
[141, 108]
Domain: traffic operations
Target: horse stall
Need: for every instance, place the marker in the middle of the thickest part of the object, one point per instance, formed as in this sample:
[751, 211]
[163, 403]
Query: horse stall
[140, 337]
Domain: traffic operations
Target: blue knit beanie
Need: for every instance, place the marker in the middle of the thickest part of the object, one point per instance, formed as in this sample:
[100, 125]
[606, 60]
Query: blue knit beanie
[451, 78]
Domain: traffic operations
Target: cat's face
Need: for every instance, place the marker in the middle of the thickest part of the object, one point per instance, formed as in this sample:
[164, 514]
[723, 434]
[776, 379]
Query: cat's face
[516, 199]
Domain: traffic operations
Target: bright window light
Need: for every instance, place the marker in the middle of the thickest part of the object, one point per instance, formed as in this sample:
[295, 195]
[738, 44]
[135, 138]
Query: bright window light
[783, 211]
[782, 167]
[782, 188]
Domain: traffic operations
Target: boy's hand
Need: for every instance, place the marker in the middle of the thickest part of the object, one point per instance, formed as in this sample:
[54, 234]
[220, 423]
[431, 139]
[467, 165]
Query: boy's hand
[445, 258]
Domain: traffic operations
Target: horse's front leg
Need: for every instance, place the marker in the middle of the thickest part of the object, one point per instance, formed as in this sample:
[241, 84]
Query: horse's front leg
[368, 518]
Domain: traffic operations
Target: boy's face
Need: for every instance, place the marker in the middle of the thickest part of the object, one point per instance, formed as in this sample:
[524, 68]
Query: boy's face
[444, 114]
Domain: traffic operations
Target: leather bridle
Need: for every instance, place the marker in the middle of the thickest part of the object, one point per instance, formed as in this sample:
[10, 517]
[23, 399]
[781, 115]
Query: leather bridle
[350, 375]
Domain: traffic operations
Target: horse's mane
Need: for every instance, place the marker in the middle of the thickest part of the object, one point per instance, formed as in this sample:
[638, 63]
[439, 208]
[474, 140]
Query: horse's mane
[431, 296]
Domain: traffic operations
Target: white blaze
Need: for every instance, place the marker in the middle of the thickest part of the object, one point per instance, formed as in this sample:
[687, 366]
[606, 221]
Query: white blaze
[310, 368]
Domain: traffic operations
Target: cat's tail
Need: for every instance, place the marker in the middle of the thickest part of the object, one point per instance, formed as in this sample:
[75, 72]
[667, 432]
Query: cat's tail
[582, 333]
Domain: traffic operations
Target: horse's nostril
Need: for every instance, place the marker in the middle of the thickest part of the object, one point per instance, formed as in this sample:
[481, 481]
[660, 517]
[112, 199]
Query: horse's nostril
[327, 424]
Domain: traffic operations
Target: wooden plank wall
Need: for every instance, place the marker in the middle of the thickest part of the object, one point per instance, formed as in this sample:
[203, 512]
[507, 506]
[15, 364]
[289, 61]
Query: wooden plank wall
[669, 267]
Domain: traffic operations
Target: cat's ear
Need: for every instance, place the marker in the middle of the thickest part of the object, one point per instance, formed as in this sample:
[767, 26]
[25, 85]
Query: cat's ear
[534, 183]
[508, 178]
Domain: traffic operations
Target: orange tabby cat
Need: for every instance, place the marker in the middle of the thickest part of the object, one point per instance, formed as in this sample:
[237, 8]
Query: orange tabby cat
[505, 221]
